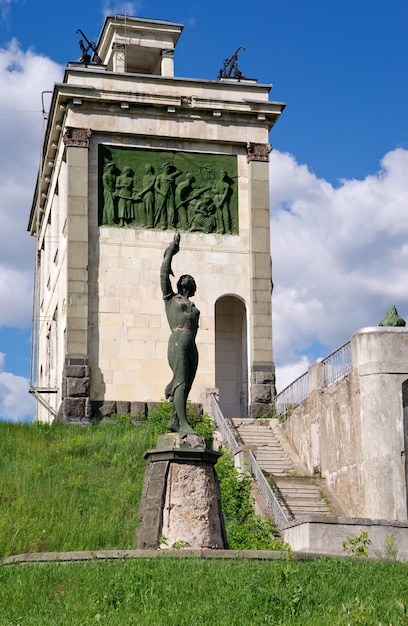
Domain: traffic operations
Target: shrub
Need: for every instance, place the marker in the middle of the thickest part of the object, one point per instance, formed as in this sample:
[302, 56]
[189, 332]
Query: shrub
[245, 530]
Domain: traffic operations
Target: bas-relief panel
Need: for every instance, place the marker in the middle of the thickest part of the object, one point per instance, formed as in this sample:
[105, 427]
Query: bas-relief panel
[168, 190]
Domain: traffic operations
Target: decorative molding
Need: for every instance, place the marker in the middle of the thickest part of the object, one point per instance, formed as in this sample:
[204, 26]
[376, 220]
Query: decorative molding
[77, 137]
[167, 53]
[258, 151]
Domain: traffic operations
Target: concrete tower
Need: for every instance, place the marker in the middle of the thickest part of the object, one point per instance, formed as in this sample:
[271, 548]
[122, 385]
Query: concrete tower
[131, 153]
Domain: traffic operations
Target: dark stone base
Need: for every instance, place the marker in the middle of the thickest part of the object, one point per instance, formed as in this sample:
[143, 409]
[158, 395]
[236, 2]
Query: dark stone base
[263, 391]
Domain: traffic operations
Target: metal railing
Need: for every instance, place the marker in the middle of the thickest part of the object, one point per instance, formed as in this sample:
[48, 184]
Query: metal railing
[274, 506]
[281, 518]
[292, 395]
[222, 425]
[337, 365]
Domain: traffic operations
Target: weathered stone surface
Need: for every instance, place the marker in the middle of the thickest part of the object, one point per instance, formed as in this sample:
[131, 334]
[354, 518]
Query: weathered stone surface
[138, 410]
[262, 394]
[180, 440]
[122, 408]
[151, 505]
[77, 387]
[76, 408]
[192, 512]
[151, 406]
[260, 410]
[108, 408]
[76, 371]
[263, 377]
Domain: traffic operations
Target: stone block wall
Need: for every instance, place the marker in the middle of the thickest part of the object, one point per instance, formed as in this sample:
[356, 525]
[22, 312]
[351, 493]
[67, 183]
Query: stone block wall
[360, 426]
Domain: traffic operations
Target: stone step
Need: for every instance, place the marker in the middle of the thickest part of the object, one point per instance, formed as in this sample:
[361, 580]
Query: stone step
[300, 494]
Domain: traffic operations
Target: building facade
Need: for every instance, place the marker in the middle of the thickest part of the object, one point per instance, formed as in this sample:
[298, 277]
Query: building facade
[131, 154]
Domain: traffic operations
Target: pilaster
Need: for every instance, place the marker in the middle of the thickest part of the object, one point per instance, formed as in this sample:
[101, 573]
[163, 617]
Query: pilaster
[76, 375]
[262, 388]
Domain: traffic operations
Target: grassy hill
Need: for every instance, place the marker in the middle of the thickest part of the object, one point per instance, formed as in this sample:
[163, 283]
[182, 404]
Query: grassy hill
[65, 488]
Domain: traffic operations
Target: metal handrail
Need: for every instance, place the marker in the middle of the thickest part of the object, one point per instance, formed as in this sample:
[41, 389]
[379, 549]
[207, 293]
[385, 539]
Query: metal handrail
[292, 395]
[337, 365]
[270, 498]
[222, 425]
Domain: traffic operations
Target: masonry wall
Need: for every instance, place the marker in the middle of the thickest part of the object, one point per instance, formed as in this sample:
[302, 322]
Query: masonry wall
[356, 429]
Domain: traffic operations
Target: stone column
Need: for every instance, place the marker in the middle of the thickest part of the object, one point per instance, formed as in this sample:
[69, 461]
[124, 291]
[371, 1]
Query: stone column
[167, 63]
[119, 58]
[75, 384]
[262, 387]
[379, 355]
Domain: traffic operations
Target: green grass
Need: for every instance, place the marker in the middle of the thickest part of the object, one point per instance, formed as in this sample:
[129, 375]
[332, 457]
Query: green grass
[66, 488]
[189, 592]
[69, 488]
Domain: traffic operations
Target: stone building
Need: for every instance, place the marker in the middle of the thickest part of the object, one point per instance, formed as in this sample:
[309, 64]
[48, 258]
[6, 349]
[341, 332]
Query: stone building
[131, 153]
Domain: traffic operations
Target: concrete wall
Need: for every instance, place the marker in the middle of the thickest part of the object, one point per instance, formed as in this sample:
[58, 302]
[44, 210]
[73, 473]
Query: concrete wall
[360, 445]
[324, 536]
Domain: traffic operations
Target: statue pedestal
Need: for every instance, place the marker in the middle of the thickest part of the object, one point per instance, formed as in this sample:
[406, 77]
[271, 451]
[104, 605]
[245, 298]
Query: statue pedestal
[180, 505]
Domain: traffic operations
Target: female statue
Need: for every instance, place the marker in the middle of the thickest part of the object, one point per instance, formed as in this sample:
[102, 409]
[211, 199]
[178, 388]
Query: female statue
[182, 353]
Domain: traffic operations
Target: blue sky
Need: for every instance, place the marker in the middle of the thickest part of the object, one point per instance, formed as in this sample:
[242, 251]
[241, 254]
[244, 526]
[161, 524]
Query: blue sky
[339, 184]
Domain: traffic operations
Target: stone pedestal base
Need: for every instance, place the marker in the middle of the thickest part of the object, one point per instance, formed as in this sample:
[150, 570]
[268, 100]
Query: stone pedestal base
[180, 505]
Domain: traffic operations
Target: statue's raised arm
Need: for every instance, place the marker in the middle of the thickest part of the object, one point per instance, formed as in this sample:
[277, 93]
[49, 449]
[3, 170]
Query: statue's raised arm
[166, 270]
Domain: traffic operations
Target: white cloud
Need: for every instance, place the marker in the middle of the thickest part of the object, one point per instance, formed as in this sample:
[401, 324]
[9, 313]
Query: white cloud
[286, 374]
[339, 254]
[121, 8]
[16, 404]
[5, 8]
[24, 75]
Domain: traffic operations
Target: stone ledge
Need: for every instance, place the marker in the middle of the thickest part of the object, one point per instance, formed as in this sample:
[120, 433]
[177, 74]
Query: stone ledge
[109, 555]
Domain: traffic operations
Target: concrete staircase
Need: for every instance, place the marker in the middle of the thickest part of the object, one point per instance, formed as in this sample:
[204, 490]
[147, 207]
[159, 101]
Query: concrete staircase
[301, 494]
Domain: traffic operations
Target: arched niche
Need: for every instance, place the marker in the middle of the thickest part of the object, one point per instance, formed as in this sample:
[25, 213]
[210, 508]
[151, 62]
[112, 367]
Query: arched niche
[231, 356]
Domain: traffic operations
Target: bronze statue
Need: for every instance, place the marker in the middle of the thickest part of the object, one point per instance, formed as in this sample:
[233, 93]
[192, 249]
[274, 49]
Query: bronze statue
[182, 354]
[392, 318]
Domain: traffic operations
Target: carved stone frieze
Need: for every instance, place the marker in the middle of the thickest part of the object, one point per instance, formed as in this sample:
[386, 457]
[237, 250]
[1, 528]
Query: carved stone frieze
[258, 151]
[141, 188]
[77, 137]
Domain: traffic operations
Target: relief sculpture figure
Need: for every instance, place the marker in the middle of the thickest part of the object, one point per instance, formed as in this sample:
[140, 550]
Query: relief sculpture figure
[221, 190]
[147, 197]
[184, 192]
[109, 187]
[182, 316]
[165, 200]
[124, 187]
[204, 219]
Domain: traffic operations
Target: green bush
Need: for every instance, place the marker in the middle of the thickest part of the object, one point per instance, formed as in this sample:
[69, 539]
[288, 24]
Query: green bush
[203, 424]
[245, 530]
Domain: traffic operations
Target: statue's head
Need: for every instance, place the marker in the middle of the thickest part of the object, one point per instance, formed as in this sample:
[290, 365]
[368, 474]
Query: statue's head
[186, 285]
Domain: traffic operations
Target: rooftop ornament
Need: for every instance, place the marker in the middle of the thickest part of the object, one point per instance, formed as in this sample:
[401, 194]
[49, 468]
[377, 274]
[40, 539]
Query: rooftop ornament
[230, 67]
[392, 318]
[86, 58]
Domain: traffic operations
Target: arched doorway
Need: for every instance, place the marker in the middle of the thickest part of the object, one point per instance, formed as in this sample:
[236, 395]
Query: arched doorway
[231, 360]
